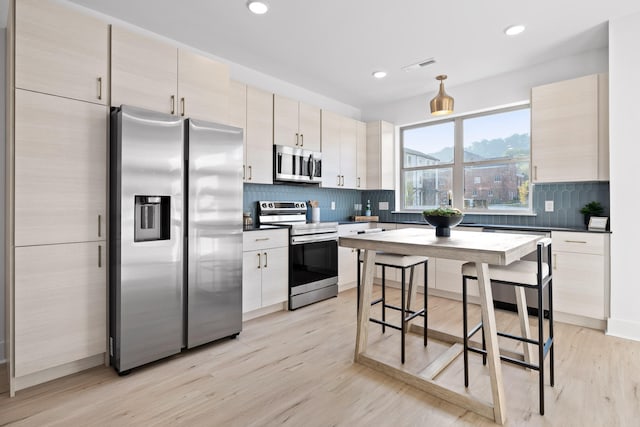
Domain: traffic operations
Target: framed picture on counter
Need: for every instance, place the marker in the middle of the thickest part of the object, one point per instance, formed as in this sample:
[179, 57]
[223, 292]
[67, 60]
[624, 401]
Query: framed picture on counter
[598, 223]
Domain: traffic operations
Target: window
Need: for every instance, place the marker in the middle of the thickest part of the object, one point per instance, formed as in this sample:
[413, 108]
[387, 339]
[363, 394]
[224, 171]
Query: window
[483, 160]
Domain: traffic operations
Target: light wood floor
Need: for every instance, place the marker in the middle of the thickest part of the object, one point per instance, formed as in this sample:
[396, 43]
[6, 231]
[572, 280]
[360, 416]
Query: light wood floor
[295, 368]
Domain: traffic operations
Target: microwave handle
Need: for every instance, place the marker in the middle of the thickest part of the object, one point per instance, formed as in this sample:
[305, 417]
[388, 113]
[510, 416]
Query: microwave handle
[312, 167]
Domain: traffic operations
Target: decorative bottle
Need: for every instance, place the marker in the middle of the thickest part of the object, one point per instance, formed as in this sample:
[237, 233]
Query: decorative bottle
[367, 212]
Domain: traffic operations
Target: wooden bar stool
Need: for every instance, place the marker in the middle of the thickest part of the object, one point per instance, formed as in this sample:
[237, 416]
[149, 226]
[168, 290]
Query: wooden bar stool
[402, 262]
[519, 274]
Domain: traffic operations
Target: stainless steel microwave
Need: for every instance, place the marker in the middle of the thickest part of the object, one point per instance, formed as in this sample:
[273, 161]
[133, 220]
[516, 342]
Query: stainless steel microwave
[296, 165]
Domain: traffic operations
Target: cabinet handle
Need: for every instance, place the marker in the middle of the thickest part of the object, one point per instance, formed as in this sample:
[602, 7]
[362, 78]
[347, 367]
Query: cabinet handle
[99, 256]
[302, 140]
[99, 225]
[342, 180]
[555, 261]
[182, 106]
[244, 169]
[575, 241]
[358, 185]
[535, 173]
[263, 239]
[259, 260]
[338, 180]
[250, 173]
[99, 87]
[265, 260]
[173, 104]
[297, 139]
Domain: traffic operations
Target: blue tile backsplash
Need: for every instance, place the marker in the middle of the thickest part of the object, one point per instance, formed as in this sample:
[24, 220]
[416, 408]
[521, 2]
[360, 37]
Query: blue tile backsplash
[568, 199]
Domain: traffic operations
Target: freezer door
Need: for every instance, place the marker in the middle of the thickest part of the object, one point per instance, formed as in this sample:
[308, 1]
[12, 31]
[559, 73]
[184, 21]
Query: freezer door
[214, 231]
[146, 273]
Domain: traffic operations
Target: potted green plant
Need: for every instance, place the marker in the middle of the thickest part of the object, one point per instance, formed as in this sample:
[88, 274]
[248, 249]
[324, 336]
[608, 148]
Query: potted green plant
[443, 219]
[592, 208]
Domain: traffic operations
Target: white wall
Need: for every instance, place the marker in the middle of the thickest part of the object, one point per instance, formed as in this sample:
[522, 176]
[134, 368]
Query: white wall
[501, 90]
[624, 140]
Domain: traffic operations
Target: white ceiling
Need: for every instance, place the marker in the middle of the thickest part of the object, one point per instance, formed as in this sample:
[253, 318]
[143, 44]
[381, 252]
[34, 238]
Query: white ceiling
[332, 46]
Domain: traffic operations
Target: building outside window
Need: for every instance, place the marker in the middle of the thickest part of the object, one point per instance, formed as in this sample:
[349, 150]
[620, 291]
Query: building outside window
[483, 160]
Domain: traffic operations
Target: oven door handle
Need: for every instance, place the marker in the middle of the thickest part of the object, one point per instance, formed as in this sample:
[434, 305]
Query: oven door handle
[299, 240]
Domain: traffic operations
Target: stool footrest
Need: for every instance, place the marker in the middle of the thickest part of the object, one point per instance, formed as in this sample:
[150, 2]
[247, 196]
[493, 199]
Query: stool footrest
[380, 322]
[414, 314]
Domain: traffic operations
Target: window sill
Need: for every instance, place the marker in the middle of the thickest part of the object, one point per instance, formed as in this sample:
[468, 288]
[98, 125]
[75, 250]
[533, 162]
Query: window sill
[487, 212]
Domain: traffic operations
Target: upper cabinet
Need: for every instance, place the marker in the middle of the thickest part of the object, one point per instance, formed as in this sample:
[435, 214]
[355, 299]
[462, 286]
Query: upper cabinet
[252, 109]
[361, 155]
[151, 74]
[61, 51]
[339, 150]
[569, 130]
[380, 156]
[295, 123]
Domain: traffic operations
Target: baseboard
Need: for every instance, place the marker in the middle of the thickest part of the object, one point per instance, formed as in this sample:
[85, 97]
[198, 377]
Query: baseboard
[264, 311]
[346, 286]
[574, 319]
[40, 377]
[623, 329]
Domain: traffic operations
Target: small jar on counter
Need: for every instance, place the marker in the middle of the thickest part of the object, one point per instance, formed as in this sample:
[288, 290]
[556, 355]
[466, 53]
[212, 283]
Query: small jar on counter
[247, 221]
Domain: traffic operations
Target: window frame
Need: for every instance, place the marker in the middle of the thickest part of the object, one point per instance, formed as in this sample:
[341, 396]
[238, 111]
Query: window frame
[458, 165]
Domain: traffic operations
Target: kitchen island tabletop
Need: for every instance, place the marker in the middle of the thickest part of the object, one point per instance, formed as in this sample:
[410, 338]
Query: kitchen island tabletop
[481, 248]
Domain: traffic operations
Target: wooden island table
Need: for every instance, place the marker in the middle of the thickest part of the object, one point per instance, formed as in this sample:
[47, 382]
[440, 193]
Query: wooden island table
[481, 248]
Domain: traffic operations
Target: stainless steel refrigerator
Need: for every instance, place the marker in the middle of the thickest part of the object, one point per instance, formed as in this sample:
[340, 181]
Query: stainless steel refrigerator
[175, 235]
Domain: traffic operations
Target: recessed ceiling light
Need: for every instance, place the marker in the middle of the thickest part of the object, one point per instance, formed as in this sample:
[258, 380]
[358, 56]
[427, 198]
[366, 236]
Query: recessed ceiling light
[514, 30]
[258, 7]
[379, 74]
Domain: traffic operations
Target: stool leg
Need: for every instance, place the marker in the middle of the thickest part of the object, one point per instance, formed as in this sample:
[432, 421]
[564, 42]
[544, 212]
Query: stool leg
[465, 338]
[384, 301]
[484, 344]
[402, 312]
[358, 279]
[551, 369]
[424, 319]
[541, 346]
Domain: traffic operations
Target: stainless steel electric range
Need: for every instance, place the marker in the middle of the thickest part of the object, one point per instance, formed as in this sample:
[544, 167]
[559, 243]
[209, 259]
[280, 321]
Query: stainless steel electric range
[313, 251]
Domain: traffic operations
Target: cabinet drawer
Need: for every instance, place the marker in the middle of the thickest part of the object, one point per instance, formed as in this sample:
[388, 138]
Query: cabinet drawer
[263, 239]
[584, 243]
[351, 229]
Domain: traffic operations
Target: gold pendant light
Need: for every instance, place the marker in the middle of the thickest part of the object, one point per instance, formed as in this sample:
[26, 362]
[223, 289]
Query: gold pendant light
[442, 104]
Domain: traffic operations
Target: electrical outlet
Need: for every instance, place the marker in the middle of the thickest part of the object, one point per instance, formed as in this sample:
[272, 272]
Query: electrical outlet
[333, 206]
[548, 205]
[383, 206]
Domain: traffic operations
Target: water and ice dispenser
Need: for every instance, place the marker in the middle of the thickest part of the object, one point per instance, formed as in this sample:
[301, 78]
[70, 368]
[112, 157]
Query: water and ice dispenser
[152, 219]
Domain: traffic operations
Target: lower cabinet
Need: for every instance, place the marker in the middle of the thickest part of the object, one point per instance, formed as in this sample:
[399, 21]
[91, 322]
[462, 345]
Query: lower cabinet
[60, 305]
[581, 274]
[448, 272]
[348, 257]
[265, 268]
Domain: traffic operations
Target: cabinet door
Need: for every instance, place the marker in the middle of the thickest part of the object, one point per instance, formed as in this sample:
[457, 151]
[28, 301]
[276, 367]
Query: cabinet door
[309, 126]
[348, 152]
[579, 284]
[419, 270]
[60, 305]
[61, 51]
[60, 169]
[203, 87]
[285, 121]
[564, 130]
[361, 156]
[331, 174]
[144, 72]
[251, 280]
[275, 276]
[238, 105]
[259, 136]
